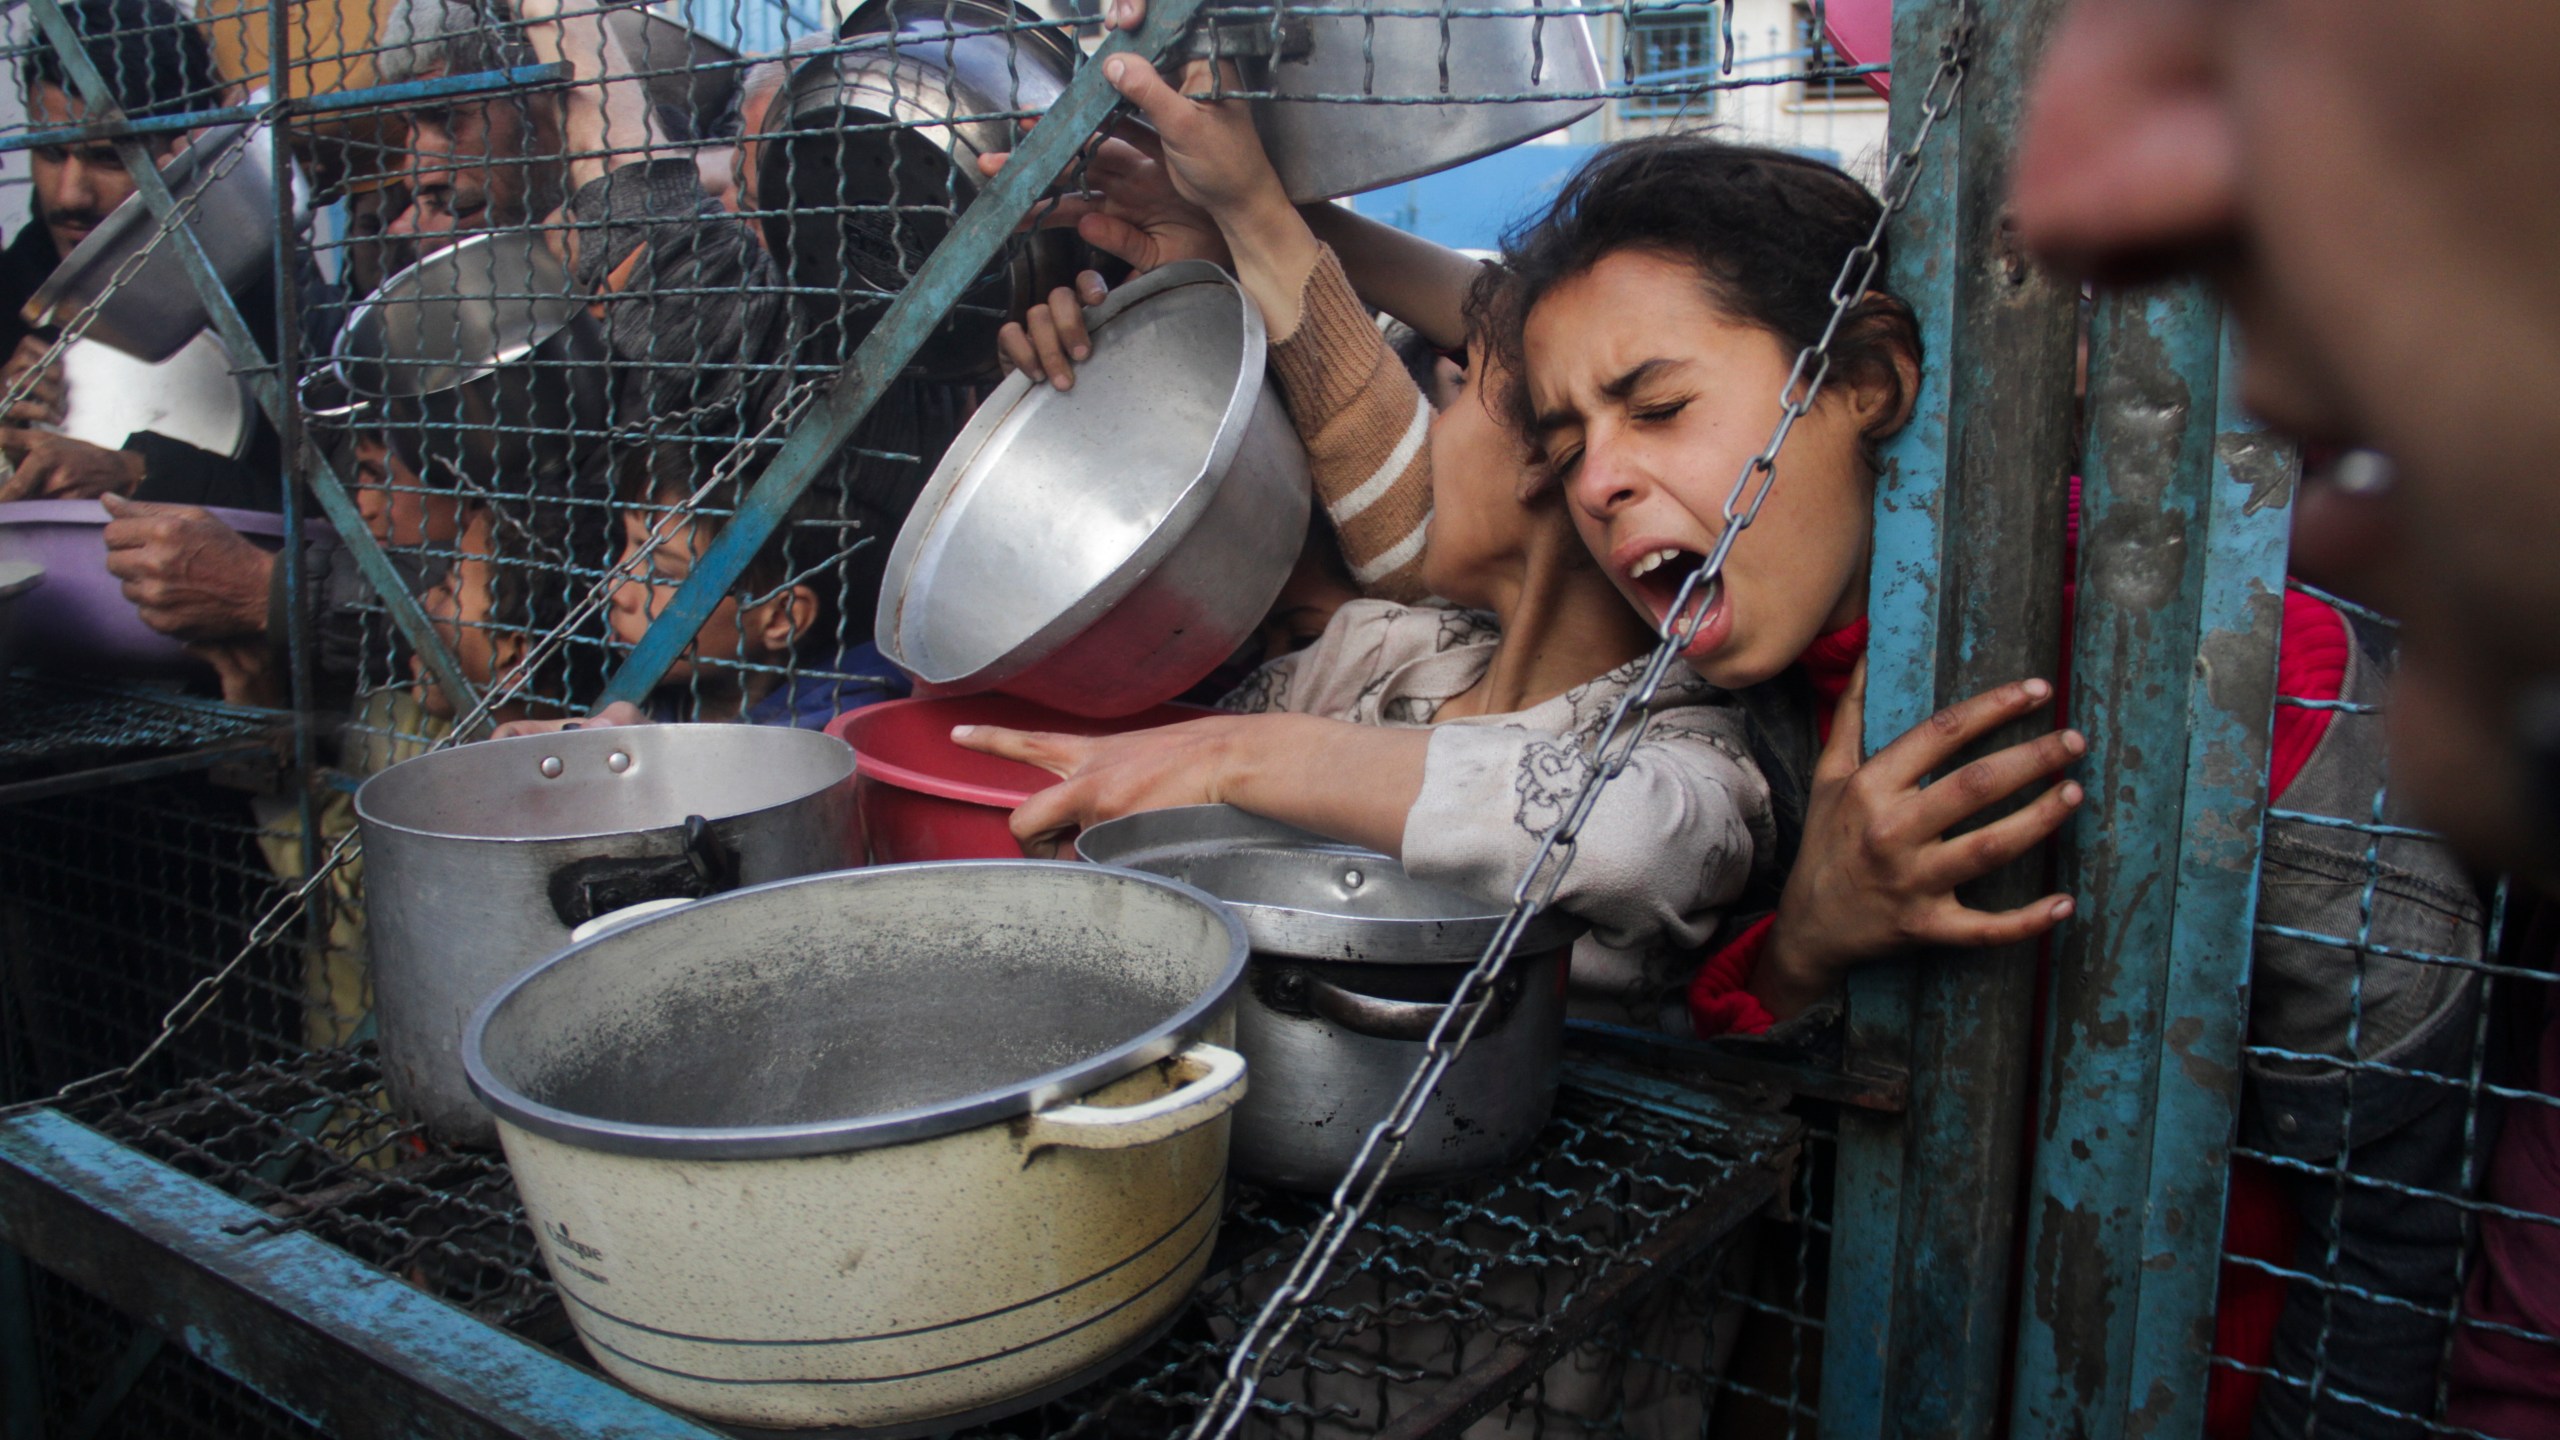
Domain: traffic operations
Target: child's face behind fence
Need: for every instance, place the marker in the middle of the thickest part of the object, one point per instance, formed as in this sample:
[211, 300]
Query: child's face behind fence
[459, 605]
[1650, 400]
[646, 589]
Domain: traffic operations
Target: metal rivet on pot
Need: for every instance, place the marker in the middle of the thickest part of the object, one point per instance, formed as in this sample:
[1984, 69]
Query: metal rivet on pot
[617, 762]
[1351, 879]
[550, 767]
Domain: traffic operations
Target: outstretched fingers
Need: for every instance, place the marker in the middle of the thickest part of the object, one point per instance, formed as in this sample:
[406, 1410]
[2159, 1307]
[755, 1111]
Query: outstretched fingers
[1931, 743]
[1965, 858]
[1956, 925]
[1057, 754]
[1983, 783]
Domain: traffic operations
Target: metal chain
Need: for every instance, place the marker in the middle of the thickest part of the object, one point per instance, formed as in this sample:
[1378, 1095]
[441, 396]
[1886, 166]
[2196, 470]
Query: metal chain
[1351, 1199]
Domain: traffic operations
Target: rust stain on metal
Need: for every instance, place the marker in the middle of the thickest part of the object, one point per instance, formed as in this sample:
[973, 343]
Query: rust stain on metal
[2205, 1071]
[2074, 1296]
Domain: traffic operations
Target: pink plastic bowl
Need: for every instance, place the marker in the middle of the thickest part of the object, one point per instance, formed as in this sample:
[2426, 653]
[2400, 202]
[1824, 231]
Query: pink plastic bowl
[917, 796]
[78, 620]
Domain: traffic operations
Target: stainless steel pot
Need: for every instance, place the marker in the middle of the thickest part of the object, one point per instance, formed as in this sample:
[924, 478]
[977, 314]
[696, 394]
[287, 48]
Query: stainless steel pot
[1101, 549]
[479, 860]
[484, 362]
[152, 313]
[1509, 69]
[876, 1148]
[1354, 962]
[873, 153]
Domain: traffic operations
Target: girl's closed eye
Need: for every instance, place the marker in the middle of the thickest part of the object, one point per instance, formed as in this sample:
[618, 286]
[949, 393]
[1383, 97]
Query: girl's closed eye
[1667, 410]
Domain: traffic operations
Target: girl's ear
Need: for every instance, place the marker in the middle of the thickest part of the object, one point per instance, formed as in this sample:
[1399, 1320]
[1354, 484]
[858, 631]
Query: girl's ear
[1883, 392]
[775, 627]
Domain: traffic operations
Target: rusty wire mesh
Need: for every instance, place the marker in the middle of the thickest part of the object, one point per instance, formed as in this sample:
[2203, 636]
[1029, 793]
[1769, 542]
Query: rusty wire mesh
[1617, 1231]
[2394, 1014]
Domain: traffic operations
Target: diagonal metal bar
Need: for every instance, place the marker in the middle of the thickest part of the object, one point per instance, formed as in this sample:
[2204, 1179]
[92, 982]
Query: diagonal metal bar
[912, 317]
[263, 376]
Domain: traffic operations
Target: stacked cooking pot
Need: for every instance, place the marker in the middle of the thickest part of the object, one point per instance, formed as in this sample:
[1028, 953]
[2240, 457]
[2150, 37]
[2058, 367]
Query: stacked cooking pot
[803, 1145]
[1354, 963]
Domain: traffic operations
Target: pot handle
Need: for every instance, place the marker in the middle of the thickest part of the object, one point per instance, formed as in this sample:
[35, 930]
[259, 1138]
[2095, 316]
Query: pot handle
[1378, 1018]
[1214, 1083]
[613, 920]
[599, 885]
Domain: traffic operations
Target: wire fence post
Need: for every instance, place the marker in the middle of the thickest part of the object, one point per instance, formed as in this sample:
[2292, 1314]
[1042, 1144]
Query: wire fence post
[1966, 596]
[2181, 575]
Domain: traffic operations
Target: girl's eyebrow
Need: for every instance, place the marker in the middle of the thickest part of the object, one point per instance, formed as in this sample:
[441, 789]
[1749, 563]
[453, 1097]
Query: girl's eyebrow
[1626, 384]
[1547, 422]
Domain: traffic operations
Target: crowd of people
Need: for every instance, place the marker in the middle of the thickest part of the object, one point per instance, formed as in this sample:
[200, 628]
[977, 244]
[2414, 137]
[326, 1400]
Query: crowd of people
[1511, 509]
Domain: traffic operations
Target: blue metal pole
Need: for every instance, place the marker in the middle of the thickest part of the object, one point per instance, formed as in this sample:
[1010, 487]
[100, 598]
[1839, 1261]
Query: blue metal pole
[408, 92]
[1964, 595]
[2153, 363]
[346, 1347]
[911, 319]
[2184, 531]
[264, 383]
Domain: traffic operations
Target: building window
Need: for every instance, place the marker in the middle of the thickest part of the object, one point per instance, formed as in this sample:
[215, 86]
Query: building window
[1670, 57]
[1815, 53]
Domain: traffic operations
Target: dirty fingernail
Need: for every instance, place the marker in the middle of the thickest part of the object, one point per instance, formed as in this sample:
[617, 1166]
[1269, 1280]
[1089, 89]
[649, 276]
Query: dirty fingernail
[2072, 794]
[1115, 68]
[2075, 742]
[2038, 689]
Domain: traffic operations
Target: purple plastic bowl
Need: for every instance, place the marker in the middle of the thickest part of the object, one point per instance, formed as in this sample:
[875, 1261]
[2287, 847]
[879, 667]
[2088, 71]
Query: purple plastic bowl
[78, 620]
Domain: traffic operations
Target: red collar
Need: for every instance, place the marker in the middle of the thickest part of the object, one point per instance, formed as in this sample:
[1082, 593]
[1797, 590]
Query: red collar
[1827, 663]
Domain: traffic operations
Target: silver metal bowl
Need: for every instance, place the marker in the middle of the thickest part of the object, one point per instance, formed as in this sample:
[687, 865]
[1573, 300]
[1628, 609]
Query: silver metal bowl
[1102, 549]
[874, 153]
[1509, 77]
[155, 311]
[482, 359]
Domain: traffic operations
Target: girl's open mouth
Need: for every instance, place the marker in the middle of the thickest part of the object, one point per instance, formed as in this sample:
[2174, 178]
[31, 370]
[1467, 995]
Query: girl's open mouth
[1658, 576]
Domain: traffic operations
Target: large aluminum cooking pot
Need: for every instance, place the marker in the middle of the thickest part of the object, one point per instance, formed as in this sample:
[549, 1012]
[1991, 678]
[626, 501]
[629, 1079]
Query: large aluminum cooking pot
[872, 153]
[484, 362]
[479, 860]
[153, 312]
[1101, 549]
[875, 1148]
[1354, 961]
[1510, 71]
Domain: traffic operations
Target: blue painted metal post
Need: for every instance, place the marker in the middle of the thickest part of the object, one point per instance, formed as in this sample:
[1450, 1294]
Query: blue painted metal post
[2181, 596]
[1965, 596]
[263, 379]
[911, 319]
[346, 1347]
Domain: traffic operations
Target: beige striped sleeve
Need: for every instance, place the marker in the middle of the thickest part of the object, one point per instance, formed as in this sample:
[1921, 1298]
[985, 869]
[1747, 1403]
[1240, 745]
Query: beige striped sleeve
[1367, 430]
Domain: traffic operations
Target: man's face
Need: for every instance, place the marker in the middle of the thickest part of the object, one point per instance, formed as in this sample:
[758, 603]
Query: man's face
[481, 165]
[2381, 213]
[76, 186]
